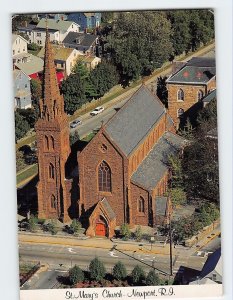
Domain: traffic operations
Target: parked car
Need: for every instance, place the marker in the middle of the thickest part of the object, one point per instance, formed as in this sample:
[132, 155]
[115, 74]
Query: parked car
[97, 111]
[75, 123]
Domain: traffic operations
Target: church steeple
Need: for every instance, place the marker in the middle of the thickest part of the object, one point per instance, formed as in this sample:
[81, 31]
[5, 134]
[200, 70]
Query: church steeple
[52, 104]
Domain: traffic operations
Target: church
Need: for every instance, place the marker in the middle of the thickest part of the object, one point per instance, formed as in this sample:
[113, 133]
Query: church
[121, 174]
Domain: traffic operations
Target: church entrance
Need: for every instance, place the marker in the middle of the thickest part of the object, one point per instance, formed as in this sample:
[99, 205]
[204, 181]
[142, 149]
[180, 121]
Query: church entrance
[101, 227]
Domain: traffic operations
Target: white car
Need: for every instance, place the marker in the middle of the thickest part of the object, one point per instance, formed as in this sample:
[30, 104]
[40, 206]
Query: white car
[97, 111]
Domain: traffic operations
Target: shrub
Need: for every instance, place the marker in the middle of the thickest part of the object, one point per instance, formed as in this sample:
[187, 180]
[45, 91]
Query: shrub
[178, 196]
[97, 269]
[152, 278]
[138, 275]
[51, 228]
[76, 275]
[119, 271]
[138, 233]
[125, 232]
[33, 47]
[75, 226]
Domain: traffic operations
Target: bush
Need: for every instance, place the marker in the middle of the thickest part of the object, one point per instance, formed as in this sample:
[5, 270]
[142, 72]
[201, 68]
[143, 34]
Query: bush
[138, 233]
[33, 47]
[178, 196]
[152, 278]
[32, 223]
[75, 226]
[76, 275]
[50, 227]
[138, 275]
[97, 269]
[125, 232]
[119, 271]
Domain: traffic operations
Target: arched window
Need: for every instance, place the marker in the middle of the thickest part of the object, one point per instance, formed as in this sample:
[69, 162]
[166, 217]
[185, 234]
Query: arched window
[180, 112]
[141, 205]
[180, 95]
[52, 142]
[53, 202]
[104, 176]
[51, 171]
[200, 95]
[46, 142]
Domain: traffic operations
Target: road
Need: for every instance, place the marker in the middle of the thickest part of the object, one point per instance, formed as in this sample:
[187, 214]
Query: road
[60, 258]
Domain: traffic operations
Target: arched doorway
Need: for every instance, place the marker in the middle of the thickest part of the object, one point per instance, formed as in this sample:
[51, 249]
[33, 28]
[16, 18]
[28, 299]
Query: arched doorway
[101, 227]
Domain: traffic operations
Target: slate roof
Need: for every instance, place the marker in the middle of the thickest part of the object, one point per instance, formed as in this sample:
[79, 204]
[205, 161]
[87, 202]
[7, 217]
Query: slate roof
[86, 40]
[209, 97]
[160, 206]
[213, 263]
[55, 24]
[197, 70]
[33, 65]
[108, 209]
[154, 166]
[60, 53]
[134, 120]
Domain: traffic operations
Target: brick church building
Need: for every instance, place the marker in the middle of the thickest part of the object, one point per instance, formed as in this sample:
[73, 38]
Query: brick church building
[122, 173]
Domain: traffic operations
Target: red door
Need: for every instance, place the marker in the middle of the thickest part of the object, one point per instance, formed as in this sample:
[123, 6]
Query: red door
[100, 229]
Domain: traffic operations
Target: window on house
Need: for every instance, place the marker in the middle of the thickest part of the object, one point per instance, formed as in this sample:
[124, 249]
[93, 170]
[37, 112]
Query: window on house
[104, 177]
[53, 202]
[141, 205]
[200, 95]
[51, 171]
[38, 34]
[13, 52]
[180, 95]
[26, 86]
[214, 276]
[180, 112]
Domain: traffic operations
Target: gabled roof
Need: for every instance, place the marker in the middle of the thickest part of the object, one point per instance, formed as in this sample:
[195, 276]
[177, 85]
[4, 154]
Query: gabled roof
[55, 24]
[134, 120]
[16, 72]
[86, 40]
[111, 214]
[33, 65]
[60, 53]
[15, 36]
[197, 71]
[155, 165]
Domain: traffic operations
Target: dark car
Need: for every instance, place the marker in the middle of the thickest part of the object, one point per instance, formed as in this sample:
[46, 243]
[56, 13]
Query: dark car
[75, 123]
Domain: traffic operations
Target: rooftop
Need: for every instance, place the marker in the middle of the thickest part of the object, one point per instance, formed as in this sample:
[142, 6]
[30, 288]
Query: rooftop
[33, 65]
[60, 53]
[198, 70]
[213, 263]
[209, 97]
[134, 120]
[85, 40]
[55, 24]
[154, 166]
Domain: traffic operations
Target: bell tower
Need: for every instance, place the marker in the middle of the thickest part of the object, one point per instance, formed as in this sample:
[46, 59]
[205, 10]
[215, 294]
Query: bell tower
[52, 136]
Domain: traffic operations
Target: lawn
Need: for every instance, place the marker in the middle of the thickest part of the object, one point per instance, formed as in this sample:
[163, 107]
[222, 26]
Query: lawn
[29, 172]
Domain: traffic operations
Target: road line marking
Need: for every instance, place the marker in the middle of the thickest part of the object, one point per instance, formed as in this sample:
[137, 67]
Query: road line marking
[113, 254]
[71, 250]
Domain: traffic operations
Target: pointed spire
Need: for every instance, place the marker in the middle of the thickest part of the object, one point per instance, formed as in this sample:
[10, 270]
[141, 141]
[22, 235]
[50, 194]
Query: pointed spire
[53, 103]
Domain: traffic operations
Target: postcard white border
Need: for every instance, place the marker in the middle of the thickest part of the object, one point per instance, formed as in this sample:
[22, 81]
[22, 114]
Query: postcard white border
[9, 250]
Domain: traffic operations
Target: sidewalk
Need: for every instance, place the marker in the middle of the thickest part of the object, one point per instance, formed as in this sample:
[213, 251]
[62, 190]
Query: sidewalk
[104, 243]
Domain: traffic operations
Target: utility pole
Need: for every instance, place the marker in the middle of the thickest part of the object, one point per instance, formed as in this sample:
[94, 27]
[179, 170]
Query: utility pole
[170, 238]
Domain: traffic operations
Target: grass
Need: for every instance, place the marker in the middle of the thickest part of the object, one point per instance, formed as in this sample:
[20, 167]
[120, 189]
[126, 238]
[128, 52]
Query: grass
[24, 268]
[29, 172]
[89, 137]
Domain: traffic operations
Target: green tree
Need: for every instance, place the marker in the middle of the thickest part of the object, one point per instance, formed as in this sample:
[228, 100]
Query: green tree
[119, 271]
[21, 126]
[33, 47]
[97, 269]
[20, 161]
[152, 278]
[74, 137]
[103, 78]
[75, 226]
[175, 165]
[178, 196]
[162, 91]
[76, 275]
[138, 275]
[125, 231]
[32, 223]
[138, 233]
[30, 115]
[139, 43]
[73, 90]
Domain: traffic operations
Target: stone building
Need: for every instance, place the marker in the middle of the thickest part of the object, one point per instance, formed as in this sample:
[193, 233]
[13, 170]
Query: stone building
[123, 171]
[52, 136]
[189, 83]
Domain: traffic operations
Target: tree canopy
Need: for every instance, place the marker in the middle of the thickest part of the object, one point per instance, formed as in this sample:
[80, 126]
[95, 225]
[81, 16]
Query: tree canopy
[21, 126]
